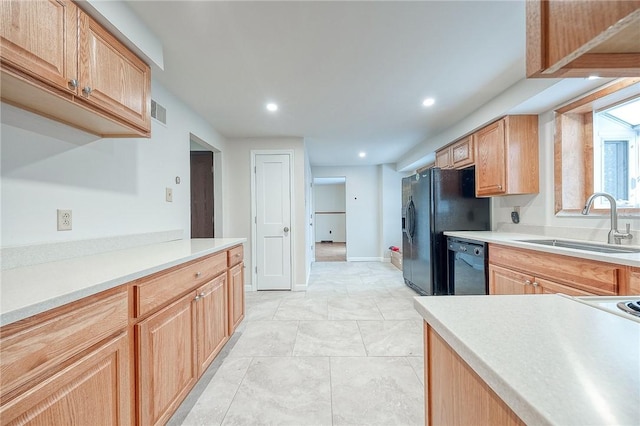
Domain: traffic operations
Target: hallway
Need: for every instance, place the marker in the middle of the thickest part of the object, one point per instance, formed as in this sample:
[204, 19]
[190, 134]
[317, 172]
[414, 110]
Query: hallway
[347, 351]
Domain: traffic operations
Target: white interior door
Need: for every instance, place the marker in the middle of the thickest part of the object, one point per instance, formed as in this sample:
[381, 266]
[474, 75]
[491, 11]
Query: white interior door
[273, 221]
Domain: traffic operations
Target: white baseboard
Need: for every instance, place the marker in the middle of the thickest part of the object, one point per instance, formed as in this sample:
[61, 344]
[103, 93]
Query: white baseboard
[364, 259]
[299, 287]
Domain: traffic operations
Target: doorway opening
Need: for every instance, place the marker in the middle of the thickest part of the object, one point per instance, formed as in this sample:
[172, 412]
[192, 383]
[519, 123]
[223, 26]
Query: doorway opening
[329, 194]
[203, 173]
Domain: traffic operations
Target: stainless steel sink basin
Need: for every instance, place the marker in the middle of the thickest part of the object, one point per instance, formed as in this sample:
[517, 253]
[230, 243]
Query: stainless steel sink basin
[600, 248]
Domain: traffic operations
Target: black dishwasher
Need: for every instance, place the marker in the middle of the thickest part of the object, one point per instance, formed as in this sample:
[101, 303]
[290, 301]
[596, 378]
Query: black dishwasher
[467, 266]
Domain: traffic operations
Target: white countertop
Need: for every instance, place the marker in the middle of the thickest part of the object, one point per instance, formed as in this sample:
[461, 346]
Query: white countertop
[512, 239]
[30, 290]
[552, 359]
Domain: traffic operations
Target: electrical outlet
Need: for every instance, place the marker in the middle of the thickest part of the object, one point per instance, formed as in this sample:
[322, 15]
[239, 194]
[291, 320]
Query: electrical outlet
[169, 195]
[64, 220]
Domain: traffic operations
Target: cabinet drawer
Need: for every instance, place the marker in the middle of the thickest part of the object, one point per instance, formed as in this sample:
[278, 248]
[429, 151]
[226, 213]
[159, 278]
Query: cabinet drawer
[157, 290]
[40, 345]
[583, 274]
[236, 254]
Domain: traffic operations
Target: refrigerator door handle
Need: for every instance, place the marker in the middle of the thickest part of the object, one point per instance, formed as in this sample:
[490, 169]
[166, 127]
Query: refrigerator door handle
[411, 218]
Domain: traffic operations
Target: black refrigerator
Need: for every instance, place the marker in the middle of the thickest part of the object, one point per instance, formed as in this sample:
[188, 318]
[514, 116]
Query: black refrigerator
[434, 201]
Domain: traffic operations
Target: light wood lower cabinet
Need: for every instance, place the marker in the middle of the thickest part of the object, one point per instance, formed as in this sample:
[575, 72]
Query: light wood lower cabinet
[211, 317]
[94, 390]
[176, 345]
[634, 281]
[520, 271]
[129, 355]
[506, 281]
[236, 296]
[70, 365]
[454, 393]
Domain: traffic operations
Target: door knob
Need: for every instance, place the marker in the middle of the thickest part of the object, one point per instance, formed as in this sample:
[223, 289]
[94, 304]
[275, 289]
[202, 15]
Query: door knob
[286, 229]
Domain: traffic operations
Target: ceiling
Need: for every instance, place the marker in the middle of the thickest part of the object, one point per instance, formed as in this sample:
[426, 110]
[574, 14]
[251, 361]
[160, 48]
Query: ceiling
[347, 76]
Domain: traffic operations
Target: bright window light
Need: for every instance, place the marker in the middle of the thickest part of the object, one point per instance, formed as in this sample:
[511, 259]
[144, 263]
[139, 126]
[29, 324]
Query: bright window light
[272, 107]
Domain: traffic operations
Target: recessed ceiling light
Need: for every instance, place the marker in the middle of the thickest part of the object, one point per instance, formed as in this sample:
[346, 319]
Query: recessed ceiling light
[428, 102]
[272, 107]
[593, 77]
[362, 154]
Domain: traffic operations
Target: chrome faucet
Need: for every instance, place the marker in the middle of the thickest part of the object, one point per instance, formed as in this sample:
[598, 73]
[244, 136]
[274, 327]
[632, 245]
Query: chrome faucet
[615, 236]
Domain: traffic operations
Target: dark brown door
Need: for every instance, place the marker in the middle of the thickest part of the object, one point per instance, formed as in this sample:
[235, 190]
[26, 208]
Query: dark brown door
[201, 194]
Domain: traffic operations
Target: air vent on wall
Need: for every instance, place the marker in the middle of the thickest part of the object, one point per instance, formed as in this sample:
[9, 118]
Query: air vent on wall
[158, 112]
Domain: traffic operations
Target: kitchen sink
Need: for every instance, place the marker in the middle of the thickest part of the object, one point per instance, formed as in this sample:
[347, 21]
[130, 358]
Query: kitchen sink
[600, 248]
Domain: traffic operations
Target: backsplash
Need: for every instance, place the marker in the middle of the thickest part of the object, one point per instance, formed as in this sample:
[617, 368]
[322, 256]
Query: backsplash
[18, 256]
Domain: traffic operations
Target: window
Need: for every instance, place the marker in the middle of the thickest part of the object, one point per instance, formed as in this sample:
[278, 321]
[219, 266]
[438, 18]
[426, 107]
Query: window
[596, 148]
[616, 155]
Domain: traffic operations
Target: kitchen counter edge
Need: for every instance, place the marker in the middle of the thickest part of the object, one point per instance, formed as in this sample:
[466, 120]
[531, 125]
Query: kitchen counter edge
[20, 286]
[512, 240]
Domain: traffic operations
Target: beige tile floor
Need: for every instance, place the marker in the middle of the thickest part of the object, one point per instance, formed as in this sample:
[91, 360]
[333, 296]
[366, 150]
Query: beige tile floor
[348, 351]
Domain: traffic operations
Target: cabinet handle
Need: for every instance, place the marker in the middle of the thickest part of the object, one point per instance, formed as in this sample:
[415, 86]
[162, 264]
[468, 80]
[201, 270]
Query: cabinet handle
[73, 83]
[198, 274]
[87, 91]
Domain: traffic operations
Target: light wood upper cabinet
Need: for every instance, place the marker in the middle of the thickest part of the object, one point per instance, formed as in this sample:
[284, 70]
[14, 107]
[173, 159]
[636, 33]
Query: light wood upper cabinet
[458, 155]
[507, 156]
[58, 62]
[583, 38]
[443, 158]
[111, 77]
[48, 50]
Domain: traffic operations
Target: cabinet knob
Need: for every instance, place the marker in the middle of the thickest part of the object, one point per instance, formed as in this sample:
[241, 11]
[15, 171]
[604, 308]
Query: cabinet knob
[535, 284]
[73, 83]
[198, 274]
[499, 186]
[87, 91]
[201, 294]
[527, 282]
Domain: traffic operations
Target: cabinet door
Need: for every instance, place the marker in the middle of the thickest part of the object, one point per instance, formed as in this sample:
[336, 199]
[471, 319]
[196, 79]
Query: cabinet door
[634, 281]
[211, 308]
[462, 153]
[549, 287]
[505, 281]
[443, 158]
[112, 77]
[166, 360]
[490, 161]
[95, 390]
[236, 296]
[40, 38]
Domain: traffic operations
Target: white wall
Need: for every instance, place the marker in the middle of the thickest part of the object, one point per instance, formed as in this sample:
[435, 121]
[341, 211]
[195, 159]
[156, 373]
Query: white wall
[330, 223]
[537, 211]
[369, 204]
[113, 186]
[237, 175]
[329, 198]
[391, 208]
